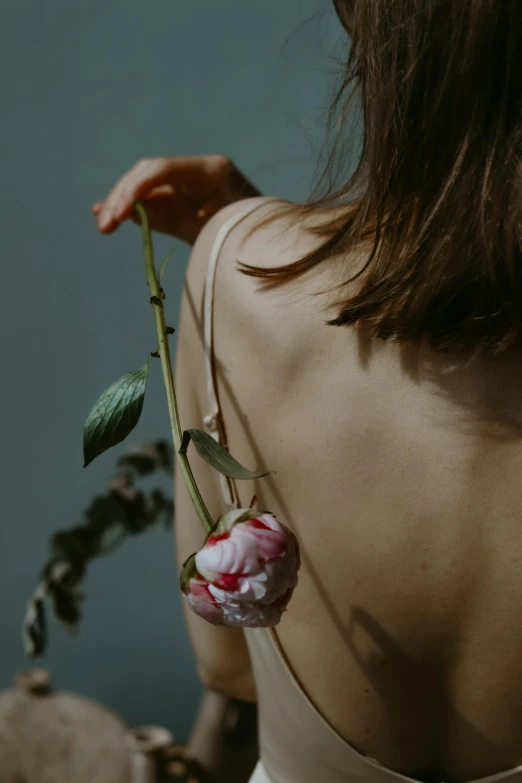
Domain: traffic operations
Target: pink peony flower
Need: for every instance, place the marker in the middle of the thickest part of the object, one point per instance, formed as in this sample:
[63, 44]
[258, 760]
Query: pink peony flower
[245, 573]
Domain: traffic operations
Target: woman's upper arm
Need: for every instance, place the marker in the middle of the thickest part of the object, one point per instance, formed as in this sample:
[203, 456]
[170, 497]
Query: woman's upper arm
[222, 654]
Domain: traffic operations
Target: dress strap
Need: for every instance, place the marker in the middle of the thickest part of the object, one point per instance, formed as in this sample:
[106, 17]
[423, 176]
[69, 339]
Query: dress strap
[213, 421]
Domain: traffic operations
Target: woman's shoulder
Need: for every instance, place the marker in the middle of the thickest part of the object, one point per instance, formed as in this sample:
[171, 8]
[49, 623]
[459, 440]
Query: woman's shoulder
[210, 234]
[234, 295]
[287, 316]
[286, 235]
[270, 245]
[246, 211]
[263, 305]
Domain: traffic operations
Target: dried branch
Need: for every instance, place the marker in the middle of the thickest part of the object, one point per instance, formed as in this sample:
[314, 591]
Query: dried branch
[124, 510]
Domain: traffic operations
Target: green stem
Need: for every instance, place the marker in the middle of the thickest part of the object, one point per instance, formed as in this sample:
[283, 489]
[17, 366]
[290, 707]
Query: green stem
[166, 365]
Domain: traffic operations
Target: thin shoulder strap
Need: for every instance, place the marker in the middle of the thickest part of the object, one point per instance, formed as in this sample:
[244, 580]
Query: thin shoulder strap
[213, 421]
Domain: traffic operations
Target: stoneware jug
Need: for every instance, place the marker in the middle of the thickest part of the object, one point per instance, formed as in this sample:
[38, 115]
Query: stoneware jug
[50, 736]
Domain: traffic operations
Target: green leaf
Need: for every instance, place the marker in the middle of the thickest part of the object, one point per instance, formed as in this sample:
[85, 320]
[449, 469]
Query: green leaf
[188, 572]
[115, 413]
[164, 263]
[216, 455]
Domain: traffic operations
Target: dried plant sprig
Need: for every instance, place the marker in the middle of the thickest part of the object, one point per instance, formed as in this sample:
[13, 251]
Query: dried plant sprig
[124, 510]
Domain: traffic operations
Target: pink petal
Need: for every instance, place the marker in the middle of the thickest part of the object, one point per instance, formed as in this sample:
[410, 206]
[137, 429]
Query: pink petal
[269, 543]
[231, 555]
[202, 602]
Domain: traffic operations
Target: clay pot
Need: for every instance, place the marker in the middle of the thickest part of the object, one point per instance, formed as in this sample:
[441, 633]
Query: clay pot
[49, 736]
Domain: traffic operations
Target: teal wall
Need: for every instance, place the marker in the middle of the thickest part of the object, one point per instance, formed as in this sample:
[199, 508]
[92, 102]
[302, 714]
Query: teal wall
[87, 88]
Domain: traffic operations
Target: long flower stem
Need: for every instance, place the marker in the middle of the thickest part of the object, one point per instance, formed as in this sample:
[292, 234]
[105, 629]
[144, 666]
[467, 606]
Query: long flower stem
[156, 299]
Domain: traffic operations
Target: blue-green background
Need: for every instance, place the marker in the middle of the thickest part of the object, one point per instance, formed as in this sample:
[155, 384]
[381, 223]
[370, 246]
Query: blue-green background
[87, 88]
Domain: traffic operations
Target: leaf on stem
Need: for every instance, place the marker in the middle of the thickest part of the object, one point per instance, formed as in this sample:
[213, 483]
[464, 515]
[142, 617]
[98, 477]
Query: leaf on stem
[216, 455]
[188, 572]
[115, 413]
[164, 264]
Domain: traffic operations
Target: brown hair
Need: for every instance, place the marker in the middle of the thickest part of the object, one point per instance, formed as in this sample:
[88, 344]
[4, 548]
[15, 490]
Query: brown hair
[438, 186]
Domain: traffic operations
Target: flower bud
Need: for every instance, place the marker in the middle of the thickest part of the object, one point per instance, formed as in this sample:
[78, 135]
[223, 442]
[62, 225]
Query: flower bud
[245, 573]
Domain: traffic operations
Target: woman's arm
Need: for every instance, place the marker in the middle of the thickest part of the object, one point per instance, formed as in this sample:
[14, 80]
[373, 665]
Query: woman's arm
[222, 656]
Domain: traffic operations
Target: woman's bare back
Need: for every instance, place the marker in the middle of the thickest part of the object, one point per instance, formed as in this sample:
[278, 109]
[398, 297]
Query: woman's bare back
[400, 475]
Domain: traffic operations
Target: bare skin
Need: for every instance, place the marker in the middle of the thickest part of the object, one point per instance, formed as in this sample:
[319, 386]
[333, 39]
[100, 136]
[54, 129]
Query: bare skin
[180, 193]
[399, 471]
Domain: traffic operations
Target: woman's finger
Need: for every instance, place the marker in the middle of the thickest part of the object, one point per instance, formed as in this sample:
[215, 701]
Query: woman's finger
[147, 193]
[196, 183]
[122, 193]
[210, 207]
[195, 176]
[164, 192]
[138, 182]
[169, 214]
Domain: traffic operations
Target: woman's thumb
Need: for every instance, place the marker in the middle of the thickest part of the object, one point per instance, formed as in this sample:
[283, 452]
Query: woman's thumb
[213, 204]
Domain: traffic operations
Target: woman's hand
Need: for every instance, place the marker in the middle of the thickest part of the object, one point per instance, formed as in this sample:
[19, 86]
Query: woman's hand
[179, 193]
